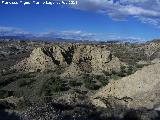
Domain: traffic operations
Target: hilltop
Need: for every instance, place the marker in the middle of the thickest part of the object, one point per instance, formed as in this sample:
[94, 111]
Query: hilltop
[71, 59]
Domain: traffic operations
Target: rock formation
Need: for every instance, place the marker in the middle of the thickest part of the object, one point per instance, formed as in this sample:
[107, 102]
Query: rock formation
[73, 59]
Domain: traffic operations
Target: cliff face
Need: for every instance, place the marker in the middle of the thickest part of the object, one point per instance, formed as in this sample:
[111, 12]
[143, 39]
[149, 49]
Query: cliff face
[74, 59]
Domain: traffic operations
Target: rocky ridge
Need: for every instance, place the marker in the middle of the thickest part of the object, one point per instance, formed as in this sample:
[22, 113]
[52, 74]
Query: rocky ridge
[72, 59]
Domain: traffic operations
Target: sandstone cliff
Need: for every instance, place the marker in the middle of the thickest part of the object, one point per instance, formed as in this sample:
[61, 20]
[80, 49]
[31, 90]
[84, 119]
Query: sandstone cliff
[73, 59]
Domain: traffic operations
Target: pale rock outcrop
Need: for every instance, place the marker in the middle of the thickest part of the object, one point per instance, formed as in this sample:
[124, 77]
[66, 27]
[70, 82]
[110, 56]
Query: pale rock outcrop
[42, 59]
[142, 62]
[156, 60]
[141, 89]
[72, 71]
[74, 59]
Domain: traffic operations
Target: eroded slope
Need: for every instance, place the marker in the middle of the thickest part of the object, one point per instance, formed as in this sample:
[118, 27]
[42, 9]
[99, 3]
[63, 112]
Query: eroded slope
[141, 89]
[72, 59]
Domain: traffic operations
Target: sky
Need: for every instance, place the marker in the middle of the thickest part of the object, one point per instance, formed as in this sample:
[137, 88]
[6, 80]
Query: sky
[103, 20]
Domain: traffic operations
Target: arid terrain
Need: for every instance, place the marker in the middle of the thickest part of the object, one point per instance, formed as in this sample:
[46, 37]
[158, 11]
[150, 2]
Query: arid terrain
[42, 80]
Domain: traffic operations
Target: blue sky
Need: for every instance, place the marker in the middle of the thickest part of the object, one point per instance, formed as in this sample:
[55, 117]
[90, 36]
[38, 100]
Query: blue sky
[89, 19]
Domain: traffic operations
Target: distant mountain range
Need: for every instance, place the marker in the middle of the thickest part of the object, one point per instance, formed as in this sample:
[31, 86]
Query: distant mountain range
[56, 39]
[59, 39]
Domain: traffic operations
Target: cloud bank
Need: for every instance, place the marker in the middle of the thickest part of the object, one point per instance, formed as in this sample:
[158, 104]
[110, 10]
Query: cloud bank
[11, 31]
[68, 34]
[146, 11]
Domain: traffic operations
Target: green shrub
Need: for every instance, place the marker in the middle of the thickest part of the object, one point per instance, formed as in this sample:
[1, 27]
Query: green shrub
[106, 73]
[104, 80]
[121, 74]
[5, 80]
[89, 83]
[7, 72]
[74, 83]
[54, 84]
[123, 69]
[25, 82]
[57, 86]
[99, 77]
[87, 77]
[130, 70]
[92, 86]
[139, 66]
[115, 77]
[25, 75]
[88, 80]
[114, 72]
[3, 94]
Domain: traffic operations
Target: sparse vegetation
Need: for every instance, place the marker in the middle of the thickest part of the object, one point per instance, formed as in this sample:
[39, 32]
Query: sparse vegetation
[54, 85]
[130, 70]
[104, 80]
[25, 82]
[140, 65]
[51, 85]
[92, 86]
[5, 80]
[4, 94]
[114, 72]
[121, 74]
[106, 73]
[57, 86]
[26, 75]
[74, 83]
[89, 83]
[115, 77]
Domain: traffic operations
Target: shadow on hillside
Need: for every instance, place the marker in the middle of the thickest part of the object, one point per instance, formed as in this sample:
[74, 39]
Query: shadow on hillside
[78, 111]
[5, 115]
[62, 111]
[8, 116]
[140, 115]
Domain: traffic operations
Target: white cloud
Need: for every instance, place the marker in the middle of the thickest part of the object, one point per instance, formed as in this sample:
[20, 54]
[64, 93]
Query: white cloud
[138, 11]
[147, 11]
[70, 34]
[116, 37]
[11, 31]
[155, 21]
